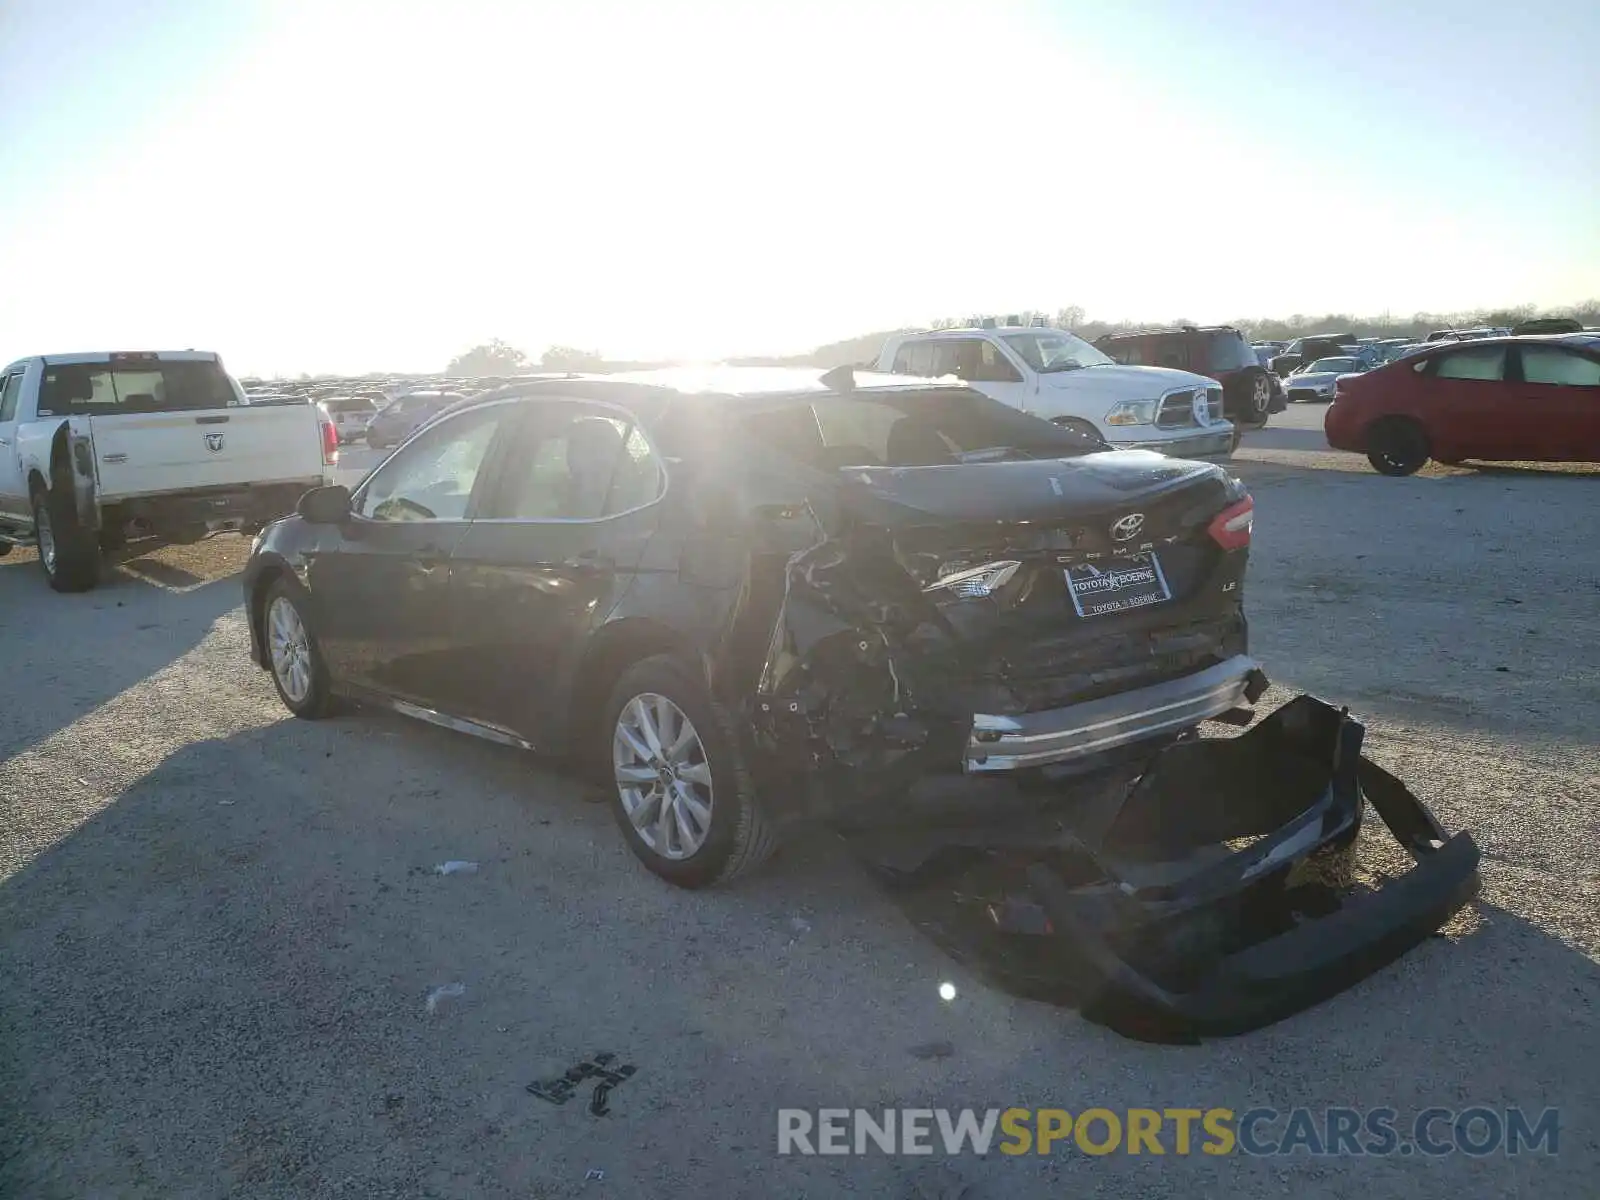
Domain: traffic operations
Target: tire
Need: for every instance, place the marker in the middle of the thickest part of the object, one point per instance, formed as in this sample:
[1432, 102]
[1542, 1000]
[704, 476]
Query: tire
[308, 696]
[1252, 397]
[706, 783]
[1397, 446]
[68, 554]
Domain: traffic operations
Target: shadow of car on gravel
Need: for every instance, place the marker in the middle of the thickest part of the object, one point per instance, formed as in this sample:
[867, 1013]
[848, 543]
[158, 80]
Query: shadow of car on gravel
[218, 983]
[66, 655]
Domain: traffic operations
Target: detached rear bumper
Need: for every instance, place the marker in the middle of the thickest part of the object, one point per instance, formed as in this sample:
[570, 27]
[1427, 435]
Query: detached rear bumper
[1219, 890]
[1000, 743]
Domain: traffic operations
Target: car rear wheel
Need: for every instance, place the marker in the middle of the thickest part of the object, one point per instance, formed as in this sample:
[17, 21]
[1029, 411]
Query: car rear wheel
[69, 555]
[682, 796]
[298, 670]
[1397, 446]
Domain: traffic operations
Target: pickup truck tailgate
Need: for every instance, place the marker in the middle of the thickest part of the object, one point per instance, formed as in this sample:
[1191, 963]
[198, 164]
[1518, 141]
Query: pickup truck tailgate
[143, 454]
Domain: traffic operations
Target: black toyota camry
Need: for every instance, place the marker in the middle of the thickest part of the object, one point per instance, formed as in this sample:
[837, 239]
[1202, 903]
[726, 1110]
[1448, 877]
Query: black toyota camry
[748, 596]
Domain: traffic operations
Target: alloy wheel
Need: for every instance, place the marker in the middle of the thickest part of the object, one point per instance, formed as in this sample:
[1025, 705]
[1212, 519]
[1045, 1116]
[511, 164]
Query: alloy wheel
[290, 649]
[663, 776]
[1261, 396]
[47, 536]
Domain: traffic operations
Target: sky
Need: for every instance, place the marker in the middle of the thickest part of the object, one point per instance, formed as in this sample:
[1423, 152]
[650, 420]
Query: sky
[348, 186]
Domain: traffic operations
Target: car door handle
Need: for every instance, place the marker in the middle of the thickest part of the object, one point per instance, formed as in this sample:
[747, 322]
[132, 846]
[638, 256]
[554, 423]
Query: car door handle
[589, 560]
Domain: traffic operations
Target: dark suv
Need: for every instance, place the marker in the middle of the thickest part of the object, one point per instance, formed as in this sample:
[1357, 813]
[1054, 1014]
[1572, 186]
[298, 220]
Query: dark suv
[1249, 393]
[789, 594]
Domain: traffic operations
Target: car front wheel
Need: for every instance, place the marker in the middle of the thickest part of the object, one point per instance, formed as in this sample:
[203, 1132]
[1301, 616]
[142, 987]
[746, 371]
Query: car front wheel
[1397, 446]
[682, 796]
[298, 670]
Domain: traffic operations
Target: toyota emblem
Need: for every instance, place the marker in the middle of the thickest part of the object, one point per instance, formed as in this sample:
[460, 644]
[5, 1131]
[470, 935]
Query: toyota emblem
[1125, 529]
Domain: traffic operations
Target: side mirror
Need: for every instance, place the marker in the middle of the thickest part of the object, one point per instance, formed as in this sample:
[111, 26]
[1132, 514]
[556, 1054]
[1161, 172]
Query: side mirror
[325, 505]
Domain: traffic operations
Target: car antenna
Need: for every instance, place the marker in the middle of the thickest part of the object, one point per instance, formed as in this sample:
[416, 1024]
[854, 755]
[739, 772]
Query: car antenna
[840, 379]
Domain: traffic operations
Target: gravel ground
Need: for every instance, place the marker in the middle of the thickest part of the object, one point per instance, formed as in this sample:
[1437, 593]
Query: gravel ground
[219, 928]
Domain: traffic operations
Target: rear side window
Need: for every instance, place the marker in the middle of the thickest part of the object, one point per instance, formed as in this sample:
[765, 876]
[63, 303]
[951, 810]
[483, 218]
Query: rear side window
[1229, 352]
[1540, 364]
[1130, 353]
[1484, 363]
[934, 358]
[104, 389]
[9, 392]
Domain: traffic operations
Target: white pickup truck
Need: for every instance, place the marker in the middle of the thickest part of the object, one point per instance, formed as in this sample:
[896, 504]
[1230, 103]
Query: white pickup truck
[1058, 376]
[96, 448]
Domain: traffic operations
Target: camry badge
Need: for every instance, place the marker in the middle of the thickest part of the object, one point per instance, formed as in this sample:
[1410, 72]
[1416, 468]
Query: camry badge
[1127, 528]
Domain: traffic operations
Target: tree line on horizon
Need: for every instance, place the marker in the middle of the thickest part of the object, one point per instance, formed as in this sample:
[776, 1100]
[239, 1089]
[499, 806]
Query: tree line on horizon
[499, 358]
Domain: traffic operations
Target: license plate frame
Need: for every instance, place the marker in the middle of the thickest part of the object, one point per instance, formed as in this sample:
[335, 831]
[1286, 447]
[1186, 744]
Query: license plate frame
[1135, 582]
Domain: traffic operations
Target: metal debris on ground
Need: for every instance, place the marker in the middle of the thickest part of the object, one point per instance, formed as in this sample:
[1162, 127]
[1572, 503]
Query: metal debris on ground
[595, 1174]
[456, 866]
[448, 991]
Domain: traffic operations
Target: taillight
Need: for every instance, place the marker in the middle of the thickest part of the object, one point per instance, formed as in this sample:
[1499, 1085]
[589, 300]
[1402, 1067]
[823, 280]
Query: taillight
[1230, 528]
[330, 443]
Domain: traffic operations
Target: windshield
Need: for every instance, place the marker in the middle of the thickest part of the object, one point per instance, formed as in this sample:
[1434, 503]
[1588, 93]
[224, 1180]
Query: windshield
[1051, 350]
[1334, 364]
[105, 389]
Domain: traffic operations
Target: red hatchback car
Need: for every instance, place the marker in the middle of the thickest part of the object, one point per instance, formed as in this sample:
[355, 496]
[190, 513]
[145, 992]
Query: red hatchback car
[1523, 399]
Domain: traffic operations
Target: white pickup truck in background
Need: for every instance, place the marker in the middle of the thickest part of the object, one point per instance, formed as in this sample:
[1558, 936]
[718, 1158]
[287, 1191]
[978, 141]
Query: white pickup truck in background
[1056, 375]
[97, 448]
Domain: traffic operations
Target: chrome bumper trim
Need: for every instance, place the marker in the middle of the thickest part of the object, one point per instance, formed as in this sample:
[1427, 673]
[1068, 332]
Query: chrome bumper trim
[1210, 444]
[1038, 738]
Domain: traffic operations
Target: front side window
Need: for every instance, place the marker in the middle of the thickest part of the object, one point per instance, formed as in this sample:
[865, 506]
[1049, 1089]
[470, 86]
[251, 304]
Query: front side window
[581, 464]
[1541, 364]
[432, 478]
[1483, 363]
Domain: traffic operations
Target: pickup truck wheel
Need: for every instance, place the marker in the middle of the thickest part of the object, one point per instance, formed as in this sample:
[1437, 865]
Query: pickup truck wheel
[298, 670]
[683, 797]
[69, 555]
[1397, 446]
[1084, 428]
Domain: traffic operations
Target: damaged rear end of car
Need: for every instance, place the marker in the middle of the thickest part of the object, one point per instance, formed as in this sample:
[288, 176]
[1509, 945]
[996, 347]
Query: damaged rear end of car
[1024, 615]
[988, 665]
